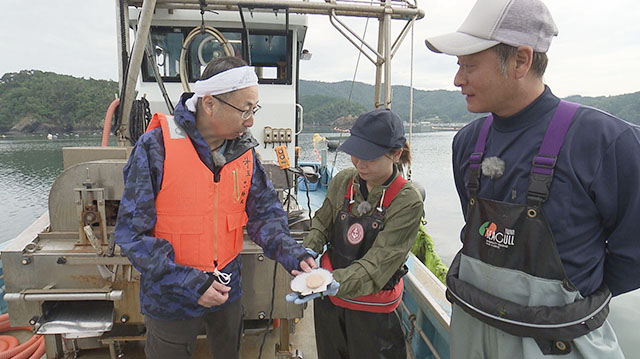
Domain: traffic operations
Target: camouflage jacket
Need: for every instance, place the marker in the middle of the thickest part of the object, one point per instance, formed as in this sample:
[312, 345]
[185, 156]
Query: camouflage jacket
[170, 291]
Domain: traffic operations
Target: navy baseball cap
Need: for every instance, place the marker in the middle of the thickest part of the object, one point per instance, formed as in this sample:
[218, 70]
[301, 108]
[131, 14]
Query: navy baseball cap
[374, 134]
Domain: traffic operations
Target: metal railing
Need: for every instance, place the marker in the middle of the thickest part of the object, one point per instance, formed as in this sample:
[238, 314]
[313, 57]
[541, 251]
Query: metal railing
[411, 329]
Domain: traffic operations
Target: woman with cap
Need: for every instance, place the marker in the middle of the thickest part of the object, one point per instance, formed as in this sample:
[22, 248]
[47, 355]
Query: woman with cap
[369, 221]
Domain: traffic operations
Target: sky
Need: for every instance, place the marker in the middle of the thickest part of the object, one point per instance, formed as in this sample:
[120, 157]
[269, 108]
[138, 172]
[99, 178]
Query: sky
[597, 51]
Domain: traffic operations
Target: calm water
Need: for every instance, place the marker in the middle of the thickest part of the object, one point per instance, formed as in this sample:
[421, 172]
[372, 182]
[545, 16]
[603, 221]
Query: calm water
[28, 167]
[30, 164]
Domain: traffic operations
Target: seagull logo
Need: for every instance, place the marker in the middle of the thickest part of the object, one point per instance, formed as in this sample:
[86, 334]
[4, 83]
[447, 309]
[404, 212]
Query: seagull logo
[488, 229]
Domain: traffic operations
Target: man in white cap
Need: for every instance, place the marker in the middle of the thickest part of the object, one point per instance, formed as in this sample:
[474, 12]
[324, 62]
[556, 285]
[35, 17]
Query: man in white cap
[192, 183]
[550, 194]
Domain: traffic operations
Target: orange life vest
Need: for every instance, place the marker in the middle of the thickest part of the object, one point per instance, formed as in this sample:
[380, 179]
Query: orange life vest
[202, 219]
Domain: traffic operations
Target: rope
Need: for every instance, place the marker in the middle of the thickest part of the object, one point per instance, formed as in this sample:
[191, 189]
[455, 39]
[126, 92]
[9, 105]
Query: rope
[353, 81]
[355, 72]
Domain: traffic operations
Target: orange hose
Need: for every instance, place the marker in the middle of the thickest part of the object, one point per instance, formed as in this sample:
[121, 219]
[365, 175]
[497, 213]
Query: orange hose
[40, 351]
[20, 348]
[9, 347]
[9, 340]
[26, 353]
[5, 326]
[106, 129]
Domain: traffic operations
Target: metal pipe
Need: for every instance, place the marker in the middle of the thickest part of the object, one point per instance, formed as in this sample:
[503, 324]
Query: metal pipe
[387, 58]
[377, 96]
[142, 34]
[410, 102]
[122, 13]
[37, 297]
[304, 7]
[400, 38]
[333, 18]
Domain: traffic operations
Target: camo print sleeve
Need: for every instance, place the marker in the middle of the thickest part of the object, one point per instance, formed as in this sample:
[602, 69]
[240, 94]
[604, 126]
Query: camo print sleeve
[152, 257]
[268, 224]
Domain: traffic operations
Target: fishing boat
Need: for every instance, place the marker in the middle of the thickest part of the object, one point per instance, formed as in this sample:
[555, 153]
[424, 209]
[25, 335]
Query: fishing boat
[65, 277]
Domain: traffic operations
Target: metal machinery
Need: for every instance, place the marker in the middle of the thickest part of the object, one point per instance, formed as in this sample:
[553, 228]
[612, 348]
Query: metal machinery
[64, 275]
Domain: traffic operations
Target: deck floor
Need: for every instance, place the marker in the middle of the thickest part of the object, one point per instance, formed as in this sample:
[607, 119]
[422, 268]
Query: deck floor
[303, 340]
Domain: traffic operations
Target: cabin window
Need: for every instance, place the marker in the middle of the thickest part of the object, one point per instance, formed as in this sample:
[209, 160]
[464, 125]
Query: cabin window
[205, 48]
[270, 53]
[167, 43]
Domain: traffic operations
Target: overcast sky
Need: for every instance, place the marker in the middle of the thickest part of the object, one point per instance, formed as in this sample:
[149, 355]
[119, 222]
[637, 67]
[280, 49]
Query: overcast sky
[597, 51]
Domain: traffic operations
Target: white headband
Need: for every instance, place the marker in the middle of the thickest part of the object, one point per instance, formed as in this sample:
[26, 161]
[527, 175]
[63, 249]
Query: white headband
[223, 82]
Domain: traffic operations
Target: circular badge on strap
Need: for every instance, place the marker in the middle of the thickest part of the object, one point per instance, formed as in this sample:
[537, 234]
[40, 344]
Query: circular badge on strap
[355, 234]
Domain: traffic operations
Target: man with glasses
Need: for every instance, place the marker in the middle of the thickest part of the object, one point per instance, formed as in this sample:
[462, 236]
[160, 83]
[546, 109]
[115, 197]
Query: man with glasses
[191, 184]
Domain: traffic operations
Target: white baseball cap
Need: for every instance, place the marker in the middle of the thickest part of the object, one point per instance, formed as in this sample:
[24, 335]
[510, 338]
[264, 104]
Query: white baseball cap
[490, 22]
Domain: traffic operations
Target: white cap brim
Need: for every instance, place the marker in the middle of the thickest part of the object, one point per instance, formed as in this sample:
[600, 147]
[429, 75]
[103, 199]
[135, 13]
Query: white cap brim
[458, 44]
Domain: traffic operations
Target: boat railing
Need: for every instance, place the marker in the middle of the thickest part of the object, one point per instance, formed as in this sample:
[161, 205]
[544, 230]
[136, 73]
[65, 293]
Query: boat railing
[425, 312]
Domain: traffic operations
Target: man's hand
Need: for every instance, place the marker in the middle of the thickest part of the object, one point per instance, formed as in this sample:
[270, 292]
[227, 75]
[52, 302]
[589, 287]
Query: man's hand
[306, 265]
[216, 294]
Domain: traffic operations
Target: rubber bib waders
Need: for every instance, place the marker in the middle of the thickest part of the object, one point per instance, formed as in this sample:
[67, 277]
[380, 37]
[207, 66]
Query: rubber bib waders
[511, 297]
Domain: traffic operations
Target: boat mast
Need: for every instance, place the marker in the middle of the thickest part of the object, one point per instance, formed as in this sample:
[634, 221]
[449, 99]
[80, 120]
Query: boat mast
[383, 10]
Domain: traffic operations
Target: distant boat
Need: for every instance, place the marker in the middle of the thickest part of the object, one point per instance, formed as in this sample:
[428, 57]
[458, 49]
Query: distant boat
[447, 127]
[333, 145]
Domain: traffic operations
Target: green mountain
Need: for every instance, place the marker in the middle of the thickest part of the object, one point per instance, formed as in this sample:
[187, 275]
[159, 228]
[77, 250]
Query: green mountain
[447, 106]
[37, 101]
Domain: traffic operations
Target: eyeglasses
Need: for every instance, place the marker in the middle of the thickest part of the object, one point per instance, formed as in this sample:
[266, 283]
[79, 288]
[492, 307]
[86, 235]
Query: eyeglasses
[246, 114]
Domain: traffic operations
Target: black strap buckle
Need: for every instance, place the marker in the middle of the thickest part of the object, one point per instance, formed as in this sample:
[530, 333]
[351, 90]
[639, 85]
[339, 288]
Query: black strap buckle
[538, 190]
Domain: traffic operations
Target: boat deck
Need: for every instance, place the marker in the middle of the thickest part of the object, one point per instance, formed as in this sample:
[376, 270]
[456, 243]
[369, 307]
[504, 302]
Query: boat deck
[303, 340]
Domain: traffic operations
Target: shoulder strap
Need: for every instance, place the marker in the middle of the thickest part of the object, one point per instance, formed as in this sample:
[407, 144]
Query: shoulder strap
[347, 197]
[393, 189]
[544, 162]
[390, 193]
[475, 160]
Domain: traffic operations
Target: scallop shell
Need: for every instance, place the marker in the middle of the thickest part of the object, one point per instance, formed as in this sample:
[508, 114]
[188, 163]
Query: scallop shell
[299, 283]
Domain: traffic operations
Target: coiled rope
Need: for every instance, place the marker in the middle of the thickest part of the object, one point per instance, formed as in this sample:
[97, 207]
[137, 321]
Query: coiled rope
[139, 119]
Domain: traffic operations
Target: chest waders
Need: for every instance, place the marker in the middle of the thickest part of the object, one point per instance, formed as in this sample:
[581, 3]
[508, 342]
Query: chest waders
[366, 326]
[351, 238]
[511, 297]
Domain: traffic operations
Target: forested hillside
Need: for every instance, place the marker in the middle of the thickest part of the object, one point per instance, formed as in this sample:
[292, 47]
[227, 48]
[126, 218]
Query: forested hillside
[627, 107]
[36, 101]
[447, 106]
